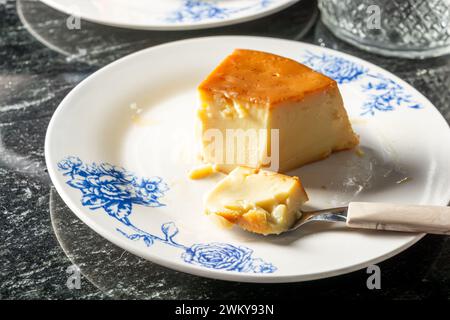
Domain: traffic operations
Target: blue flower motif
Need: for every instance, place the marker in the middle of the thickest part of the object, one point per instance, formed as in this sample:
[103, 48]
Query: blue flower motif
[112, 188]
[198, 10]
[339, 69]
[218, 256]
[385, 95]
[115, 190]
[227, 257]
[70, 163]
[150, 188]
[260, 266]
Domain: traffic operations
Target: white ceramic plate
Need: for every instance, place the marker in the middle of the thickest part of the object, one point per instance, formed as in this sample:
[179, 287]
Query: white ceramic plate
[138, 113]
[169, 14]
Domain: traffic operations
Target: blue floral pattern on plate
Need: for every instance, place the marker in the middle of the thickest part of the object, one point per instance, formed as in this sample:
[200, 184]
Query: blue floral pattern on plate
[383, 94]
[111, 188]
[337, 68]
[115, 190]
[200, 10]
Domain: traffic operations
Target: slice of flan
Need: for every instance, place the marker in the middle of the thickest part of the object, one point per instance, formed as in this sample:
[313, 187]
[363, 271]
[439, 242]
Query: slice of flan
[259, 201]
[263, 110]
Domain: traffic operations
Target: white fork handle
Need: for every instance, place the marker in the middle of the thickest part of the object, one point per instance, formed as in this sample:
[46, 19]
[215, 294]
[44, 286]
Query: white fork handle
[395, 217]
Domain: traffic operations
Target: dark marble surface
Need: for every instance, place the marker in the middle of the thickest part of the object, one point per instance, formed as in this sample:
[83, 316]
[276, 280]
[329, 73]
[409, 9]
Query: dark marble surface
[40, 62]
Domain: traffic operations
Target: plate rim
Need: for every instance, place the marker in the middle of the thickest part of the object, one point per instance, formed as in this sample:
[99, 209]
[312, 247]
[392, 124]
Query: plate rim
[178, 27]
[196, 270]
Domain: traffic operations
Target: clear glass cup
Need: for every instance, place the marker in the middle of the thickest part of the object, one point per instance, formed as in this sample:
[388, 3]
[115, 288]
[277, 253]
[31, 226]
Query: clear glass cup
[403, 28]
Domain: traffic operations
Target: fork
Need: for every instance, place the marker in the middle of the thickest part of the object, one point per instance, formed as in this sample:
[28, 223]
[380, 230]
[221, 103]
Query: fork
[383, 216]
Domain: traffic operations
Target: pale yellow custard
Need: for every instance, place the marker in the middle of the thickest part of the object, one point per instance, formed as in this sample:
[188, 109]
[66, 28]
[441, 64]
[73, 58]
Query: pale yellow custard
[255, 91]
[259, 201]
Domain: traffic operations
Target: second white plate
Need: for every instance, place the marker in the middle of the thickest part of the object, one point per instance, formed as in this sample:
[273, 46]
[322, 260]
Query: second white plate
[169, 14]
